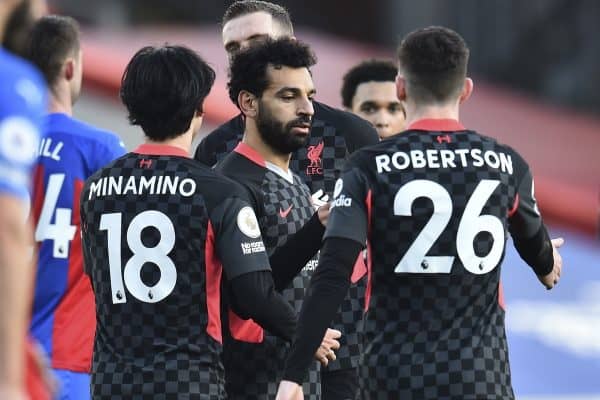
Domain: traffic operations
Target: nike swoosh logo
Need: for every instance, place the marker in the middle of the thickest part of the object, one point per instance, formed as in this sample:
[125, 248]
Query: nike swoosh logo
[285, 213]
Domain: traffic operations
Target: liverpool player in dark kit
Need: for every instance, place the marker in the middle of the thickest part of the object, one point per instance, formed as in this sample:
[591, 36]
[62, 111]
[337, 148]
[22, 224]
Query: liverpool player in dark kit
[334, 135]
[436, 205]
[162, 235]
[272, 86]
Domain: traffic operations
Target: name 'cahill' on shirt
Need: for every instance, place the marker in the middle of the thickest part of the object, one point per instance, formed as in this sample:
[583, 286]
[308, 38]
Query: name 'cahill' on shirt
[141, 185]
[433, 158]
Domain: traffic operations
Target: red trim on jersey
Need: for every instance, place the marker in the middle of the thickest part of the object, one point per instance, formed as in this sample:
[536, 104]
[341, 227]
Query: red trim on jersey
[369, 203]
[360, 268]
[75, 318]
[214, 272]
[251, 154]
[38, 195]
[245, 330]
[501, 296]
[515, 206]
[160, 150]
[34, 382]
[437, 125]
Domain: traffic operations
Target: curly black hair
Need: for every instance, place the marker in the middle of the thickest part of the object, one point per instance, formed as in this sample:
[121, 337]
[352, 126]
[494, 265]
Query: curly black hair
[434, 63]
[372, 70]
[248, 69]
[162, 88]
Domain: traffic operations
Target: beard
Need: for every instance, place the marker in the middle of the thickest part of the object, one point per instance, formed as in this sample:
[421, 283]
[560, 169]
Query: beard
[19, 24]
[278, 134]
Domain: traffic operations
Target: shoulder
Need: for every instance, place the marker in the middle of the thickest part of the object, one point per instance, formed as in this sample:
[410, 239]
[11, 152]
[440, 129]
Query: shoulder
[354, 129]
[22, 88]
[217, 141]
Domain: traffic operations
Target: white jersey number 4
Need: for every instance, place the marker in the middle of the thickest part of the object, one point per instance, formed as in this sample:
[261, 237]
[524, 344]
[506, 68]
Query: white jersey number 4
[471, 224]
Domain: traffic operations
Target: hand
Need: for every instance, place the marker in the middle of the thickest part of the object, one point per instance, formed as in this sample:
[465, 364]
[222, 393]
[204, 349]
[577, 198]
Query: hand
[550, 280]
[319, 198]
[289, 391]
[323, 212]
[325, 352]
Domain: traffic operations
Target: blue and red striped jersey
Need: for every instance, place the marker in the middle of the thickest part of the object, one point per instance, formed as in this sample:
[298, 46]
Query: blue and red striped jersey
[63, 319]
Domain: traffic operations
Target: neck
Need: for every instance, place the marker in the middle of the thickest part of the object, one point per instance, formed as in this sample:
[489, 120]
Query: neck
[253, 139]
[60, 99]
[4, 12]
[183, 142]
[443, 111]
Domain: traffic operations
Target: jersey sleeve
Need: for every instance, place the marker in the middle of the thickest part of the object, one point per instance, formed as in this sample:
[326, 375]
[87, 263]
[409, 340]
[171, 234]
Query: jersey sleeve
[205, 152]
[238, 240]
[22, 106]
[526, 226]
[112, 149]
[348, 218]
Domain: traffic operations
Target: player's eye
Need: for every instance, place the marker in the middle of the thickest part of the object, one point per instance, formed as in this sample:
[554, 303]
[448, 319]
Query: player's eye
[368, 108]
[395, 108]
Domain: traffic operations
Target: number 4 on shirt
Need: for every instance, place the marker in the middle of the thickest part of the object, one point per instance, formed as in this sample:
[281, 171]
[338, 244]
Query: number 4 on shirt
[61, 231]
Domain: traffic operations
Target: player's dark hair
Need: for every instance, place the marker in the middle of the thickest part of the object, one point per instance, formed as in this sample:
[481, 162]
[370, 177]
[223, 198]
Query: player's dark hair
[162, 88]
[248, 69]
[433, 61]
[244, 7]
[367, 71]
[53, 39]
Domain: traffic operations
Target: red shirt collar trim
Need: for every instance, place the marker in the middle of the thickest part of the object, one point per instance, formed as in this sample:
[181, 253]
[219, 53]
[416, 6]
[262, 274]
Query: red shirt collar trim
[437, 125]
[160, 150]
[251, 154]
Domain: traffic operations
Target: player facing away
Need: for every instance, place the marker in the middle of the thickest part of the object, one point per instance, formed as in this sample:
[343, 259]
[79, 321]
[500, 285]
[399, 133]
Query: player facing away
[369, 91]
[436, 205]
[334, 135]
[22, 106]
[161, 233]
[272, 86]
[64, 317]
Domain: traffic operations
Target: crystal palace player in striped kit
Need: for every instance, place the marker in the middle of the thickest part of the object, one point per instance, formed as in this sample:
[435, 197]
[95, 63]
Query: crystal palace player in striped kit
[334, 135]
[64, 318]
[161, 235]
[436, 205]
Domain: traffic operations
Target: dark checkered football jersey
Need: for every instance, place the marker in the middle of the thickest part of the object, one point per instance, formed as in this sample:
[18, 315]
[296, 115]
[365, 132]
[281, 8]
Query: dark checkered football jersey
[254, 359]
[160, 233]
[435, 205]
[335, 134]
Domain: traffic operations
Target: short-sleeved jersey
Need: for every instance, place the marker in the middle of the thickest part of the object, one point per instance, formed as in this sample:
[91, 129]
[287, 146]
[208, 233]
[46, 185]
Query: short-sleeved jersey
[435, 204]
[63, 319]
[254, 360]
[160, 233]
[334, 136]
[23, 102]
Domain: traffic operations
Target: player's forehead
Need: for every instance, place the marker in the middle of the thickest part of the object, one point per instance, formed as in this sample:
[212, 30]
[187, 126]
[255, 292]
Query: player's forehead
[287, 77]
[376, 92]
[240, 29]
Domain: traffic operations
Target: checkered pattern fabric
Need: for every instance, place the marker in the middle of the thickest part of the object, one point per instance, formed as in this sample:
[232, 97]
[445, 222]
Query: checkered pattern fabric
[339, 133]
[254, 370]
[146, 350]
[432, 336]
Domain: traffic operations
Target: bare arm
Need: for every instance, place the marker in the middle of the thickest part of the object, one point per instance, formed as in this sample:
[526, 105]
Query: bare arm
[16, 277]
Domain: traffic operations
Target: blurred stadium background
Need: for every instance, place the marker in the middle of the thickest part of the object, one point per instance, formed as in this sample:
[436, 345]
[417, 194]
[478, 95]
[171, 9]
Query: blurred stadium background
[537, 88]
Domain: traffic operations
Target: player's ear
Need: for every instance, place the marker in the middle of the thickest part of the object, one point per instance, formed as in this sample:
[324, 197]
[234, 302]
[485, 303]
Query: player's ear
[248, 103]
[467, 90]
[401, 87]
[69, 69]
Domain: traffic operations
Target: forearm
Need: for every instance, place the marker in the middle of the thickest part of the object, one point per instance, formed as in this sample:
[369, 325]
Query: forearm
[15, 288]
[328, 287]
[254, 296]
[536, 251]
[288, 260]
